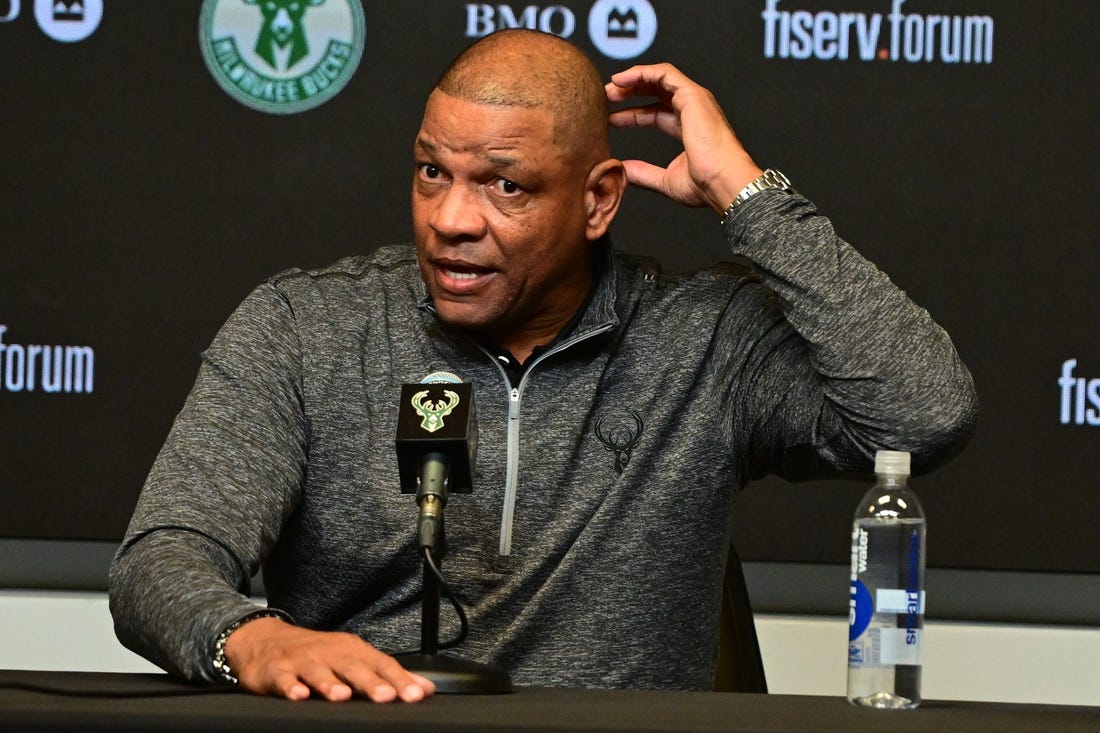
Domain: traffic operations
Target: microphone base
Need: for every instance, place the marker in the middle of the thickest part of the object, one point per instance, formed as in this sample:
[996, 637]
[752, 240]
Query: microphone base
[458, 676]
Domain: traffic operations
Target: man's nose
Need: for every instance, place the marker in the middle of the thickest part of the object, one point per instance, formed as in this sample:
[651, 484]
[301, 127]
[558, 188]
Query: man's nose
[457, 214]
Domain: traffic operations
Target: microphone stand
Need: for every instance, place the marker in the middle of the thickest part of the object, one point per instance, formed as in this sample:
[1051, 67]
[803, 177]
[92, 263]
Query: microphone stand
[450, 674]
[429, 608]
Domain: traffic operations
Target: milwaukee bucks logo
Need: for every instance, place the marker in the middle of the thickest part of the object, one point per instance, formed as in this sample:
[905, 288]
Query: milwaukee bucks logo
[620, 438]
[433, 412]
[282, 56]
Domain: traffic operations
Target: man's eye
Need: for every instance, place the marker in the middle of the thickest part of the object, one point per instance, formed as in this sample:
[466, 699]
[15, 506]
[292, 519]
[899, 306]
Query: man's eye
[429, 170]
[503, 185]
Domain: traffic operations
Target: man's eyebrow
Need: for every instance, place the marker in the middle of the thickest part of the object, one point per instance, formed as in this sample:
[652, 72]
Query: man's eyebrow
[495, 159]
[503, 161]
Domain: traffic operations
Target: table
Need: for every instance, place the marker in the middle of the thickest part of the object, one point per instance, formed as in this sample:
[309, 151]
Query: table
[84, 701]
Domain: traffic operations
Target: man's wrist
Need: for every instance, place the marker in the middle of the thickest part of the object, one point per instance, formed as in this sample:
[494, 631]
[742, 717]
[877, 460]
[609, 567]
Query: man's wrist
[771, 179]
[734, 176]
[219, 660]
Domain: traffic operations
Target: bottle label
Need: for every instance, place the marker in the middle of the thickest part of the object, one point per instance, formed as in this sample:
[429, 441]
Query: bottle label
[891, 600]
[860, 609]
[885, 647]
[898, 646]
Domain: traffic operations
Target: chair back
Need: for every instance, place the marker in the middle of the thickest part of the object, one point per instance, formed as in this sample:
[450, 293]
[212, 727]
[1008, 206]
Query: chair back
[740, 666]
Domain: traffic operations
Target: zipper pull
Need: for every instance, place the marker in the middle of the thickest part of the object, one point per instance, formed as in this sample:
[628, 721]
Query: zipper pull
[513, 404]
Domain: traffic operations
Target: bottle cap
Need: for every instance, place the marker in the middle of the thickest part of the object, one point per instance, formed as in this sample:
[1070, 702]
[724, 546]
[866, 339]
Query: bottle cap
[892, 462]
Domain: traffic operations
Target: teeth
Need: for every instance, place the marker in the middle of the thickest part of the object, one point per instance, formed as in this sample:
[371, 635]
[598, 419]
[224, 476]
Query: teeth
[461, 275]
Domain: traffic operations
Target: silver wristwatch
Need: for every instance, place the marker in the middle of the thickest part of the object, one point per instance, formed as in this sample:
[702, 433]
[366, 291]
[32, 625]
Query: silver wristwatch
[771, 179]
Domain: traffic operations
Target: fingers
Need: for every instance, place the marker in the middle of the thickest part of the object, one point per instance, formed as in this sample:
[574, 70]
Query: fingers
[368, 672]
[323, 680]
[410, 687]
[713, 166]
[424, 683]
[384, 679]
[338, 687]
[646, 175]
[652, 80]
[294, 663]
[284, 684]
[381, 680]
[651, 115]
[682, 104]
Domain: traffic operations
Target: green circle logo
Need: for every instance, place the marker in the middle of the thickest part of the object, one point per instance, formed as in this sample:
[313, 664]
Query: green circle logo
[282, 56]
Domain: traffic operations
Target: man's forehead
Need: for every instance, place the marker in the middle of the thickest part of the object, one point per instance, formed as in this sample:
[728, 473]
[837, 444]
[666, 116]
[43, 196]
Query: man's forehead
[459, 125]
[442, 105]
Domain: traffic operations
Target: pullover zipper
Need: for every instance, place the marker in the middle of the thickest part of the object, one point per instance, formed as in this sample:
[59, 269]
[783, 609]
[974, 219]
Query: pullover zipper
[512, 478]
[515, 395]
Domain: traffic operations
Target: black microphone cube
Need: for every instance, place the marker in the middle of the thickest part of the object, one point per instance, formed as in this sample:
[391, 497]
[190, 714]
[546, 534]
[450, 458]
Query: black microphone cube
[437, 417]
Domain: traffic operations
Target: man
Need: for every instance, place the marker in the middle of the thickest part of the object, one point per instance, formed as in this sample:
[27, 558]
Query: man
[606, 566]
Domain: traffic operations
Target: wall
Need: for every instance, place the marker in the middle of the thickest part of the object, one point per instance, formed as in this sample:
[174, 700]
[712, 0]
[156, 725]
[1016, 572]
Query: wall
[141, 202]
[948, 175]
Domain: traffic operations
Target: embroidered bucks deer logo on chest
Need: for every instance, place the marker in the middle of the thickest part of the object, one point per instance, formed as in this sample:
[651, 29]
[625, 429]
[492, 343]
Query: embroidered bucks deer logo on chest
[620, 435]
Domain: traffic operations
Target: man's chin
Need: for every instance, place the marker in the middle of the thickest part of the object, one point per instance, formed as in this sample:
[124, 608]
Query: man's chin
[464, 316]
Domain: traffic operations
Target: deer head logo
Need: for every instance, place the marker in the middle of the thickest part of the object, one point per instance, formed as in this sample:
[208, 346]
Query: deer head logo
[621, 440]
[434, 412]
[282, 28]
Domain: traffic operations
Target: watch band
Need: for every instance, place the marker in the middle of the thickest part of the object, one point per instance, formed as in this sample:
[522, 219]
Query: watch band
[770, 179]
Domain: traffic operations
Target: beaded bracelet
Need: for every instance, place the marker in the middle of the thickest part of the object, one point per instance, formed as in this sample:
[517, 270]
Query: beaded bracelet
[221, 665]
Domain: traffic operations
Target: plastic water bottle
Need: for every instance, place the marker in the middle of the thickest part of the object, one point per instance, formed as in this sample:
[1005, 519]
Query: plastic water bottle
[886, 606]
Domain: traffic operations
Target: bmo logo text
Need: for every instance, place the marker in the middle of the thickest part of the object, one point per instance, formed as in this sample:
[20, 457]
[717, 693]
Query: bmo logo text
[619, 29]
[481, 19]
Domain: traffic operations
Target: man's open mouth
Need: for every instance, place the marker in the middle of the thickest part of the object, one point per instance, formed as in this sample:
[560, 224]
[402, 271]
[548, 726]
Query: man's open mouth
[461, 277]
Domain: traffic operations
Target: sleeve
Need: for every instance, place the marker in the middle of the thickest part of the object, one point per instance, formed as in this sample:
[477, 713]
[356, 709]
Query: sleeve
[850, 364]
[219, 492]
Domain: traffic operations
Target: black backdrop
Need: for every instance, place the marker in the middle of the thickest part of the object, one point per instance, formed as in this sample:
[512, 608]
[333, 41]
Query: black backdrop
[139, 203]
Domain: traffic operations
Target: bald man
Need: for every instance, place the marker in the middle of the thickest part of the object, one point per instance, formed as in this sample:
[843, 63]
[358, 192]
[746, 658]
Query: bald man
[514, 184]
[620, 410]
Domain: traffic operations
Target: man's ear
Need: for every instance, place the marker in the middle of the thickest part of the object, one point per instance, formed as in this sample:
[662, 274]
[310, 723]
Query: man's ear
[603, 192]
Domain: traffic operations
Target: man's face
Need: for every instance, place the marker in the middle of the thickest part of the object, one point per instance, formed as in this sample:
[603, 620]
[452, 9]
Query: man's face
[499, 217]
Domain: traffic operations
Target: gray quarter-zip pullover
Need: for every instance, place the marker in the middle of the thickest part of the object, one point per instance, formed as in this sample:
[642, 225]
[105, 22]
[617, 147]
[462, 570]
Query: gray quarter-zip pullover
[591, 550]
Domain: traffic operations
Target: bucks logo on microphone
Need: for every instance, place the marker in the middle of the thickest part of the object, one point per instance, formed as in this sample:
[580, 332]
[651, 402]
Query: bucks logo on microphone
[433, 412]
[282, 56]
[422, 430]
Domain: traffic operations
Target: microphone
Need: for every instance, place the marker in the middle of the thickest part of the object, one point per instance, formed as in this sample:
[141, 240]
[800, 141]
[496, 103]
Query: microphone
[436, 448]
[436, 445]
